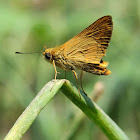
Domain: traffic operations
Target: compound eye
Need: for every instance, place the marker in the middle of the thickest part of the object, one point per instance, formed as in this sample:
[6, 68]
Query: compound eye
[48, 56]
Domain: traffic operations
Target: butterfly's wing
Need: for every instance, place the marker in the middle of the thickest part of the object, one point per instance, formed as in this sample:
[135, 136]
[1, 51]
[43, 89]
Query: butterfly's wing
[90, 45]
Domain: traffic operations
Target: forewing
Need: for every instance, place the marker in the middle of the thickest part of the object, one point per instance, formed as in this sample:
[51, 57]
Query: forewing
[90, 45]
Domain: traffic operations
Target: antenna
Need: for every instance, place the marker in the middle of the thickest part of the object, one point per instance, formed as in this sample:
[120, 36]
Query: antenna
[27, 53]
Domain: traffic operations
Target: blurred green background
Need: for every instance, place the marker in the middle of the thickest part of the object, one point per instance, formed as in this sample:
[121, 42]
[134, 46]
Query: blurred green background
[29, 25]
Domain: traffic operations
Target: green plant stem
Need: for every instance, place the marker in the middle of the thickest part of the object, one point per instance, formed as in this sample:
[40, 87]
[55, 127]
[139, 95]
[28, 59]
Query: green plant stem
[31, 112]
[95, 114]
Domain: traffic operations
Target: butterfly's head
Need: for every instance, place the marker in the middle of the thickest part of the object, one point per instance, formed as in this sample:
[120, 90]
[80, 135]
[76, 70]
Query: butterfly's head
[48, 54]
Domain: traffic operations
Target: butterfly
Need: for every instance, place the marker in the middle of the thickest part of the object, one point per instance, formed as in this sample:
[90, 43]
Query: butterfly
[84, 51]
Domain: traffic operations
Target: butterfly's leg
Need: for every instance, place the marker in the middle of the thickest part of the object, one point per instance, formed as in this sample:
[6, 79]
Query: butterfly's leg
[55, 70]
[76, 77]
[81, 76]
[55, 73]
[65, 74]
